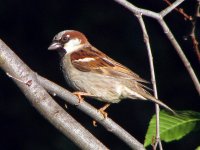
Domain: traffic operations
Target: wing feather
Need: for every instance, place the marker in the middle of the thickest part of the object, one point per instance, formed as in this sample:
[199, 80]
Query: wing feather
[89, 59]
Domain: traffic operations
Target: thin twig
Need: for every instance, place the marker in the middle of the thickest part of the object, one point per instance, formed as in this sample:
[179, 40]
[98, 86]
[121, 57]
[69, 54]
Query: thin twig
[159, 18]
[192, 34]
[180, 10]
[153, 78]
[181, 54]
[137, 10]
[43, 102]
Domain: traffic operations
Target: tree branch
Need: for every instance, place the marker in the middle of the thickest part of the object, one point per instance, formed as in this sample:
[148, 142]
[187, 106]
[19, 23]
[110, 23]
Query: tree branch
[138, 12]
[159, 18]
[110, 125]
[153, 78]
[43, 102]
[181, 54]
[170, 8]
[180, 10]
[193, 33]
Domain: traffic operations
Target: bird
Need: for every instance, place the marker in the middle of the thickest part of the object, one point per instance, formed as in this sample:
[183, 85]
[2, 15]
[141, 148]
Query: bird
[92, 73]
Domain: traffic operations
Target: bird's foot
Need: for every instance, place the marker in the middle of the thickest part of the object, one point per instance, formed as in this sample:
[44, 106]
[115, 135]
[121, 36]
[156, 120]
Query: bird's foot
[80, 94]
[102, 111]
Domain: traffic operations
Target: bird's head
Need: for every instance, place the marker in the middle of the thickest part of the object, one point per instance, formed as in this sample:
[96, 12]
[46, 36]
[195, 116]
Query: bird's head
[69, 41]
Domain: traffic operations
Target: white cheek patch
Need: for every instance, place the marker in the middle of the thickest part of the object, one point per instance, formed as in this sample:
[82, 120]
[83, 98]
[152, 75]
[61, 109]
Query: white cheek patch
[72, 45]
[85, 60]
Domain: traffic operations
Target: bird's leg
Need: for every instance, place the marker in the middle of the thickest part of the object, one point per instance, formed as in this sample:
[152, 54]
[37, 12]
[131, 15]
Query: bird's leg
[80, 94]
[102, 111]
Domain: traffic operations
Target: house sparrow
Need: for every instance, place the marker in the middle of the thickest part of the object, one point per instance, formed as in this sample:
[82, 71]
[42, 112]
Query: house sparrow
[92, 73]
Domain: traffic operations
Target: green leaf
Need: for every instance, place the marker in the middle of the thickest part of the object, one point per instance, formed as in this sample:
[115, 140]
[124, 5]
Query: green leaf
[173, 127]
[198, 148]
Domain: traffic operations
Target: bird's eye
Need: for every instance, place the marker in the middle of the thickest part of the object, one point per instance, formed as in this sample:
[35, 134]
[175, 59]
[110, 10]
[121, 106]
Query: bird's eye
[65, 38]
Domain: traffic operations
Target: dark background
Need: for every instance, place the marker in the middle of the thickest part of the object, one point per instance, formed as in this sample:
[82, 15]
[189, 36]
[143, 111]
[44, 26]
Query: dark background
[28, 28]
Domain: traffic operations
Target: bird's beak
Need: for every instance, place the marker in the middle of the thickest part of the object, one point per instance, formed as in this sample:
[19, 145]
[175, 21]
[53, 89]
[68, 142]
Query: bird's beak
[55, 45]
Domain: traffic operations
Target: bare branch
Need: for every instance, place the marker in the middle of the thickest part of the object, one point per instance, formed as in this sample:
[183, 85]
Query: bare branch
[43, 102]
[192, 34]
[138, 12]
[92, 112]
[170, 8]
[153, 78]
[180, 10]
[159, 18]
[181, 54]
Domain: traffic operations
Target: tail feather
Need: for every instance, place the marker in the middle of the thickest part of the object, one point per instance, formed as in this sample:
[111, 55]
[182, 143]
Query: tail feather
[153, 99]
[139, 92]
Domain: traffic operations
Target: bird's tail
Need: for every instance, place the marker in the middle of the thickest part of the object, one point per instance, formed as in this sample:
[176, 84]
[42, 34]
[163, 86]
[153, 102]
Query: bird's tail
[153, 99]
[145, 95]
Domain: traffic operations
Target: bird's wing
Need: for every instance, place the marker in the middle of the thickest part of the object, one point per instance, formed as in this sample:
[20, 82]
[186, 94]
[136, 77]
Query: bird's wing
[89, 59]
